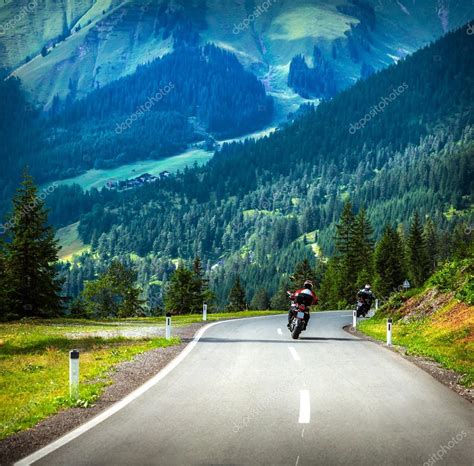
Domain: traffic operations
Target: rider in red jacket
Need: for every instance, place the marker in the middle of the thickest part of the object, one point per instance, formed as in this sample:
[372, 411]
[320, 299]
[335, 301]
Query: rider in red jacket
[307, 297]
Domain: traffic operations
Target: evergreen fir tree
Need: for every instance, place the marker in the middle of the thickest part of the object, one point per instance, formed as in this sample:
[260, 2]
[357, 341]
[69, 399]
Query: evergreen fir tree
[261, 300]
[303, 272]
[345, 265]
[432, 240]
[419, 260]
[389, 262]
[280, 299]
[237, 299]
[3, 282]
[180, 291]
[362, 249]
[32, 253]
[200, 292]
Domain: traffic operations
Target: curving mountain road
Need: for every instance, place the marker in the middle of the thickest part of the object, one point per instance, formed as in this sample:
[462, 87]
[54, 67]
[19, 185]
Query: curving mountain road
[246, 393]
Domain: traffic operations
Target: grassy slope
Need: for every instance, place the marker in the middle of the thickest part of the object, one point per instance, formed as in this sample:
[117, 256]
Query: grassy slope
[433, 323]
[71, 243]
[34, 361]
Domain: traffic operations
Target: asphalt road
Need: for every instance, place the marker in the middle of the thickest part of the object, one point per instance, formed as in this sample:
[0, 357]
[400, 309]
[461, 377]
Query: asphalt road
[248, 394]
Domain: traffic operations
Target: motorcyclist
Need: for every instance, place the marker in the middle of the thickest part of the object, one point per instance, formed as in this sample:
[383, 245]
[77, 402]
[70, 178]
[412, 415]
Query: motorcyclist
[304, 296]
[367, 297]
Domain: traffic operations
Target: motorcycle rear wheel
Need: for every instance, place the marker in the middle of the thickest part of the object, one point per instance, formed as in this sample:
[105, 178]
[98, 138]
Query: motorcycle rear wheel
[297, 330]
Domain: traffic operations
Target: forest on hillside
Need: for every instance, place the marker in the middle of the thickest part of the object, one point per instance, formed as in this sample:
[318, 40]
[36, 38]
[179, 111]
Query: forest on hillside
[259, 207]
[193, 94]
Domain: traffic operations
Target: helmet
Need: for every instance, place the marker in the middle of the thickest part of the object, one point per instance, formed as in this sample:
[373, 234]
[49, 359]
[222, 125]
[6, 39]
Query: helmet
[367, 287]
[308, 284]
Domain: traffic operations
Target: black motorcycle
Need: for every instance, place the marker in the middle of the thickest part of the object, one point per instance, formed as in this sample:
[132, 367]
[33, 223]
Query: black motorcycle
[362, 307]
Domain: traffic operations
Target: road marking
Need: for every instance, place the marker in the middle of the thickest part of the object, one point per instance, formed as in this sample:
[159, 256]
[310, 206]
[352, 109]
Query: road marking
[48, 449]
[297, 461]
[279, 331]
[305, 407]
[302, 434]
[293, 352]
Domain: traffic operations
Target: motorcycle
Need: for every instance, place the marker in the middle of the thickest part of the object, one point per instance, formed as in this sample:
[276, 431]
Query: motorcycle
[298, 321]
[362, 308]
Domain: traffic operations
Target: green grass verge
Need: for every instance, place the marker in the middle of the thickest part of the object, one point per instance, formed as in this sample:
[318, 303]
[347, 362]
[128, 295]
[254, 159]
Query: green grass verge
[34, 369]
[434, 338]
[34, 361]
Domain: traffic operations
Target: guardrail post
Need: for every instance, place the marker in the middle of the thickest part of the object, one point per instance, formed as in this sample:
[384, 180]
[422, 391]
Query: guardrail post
[168, 326]
[204, 311]
[389, 332]
[74, 374]
[354, 319]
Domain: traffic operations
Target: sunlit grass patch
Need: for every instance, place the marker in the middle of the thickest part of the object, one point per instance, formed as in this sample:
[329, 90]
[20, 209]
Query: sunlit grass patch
[34, 367]
[447, 336]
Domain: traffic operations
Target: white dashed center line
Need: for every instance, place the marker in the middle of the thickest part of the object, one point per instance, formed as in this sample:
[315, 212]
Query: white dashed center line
[294, 353]
[279, 331]
[305, 407]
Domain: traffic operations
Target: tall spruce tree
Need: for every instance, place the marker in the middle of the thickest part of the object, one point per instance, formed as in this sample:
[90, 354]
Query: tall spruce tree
[180, 291]
[3, 282]
[419, 260]
[237, 299]
[345, 263]
[200, 292]
[389, 262]
[361, 250]
[303, 271]
[432, 240]
[32, 253]
[261, 300]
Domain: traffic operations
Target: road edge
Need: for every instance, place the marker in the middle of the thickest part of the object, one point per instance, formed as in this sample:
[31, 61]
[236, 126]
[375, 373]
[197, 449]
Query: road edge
[447, 377]
[116, 407]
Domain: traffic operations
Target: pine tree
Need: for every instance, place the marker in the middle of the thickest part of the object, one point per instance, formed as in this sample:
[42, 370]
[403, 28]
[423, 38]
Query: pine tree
[237, 299]
[32, 253]
[432, 240]
[362, 249]
[419, 260]
[179, 291]
[345, 265]
[200, 292]
[3, 282]
[303, 272]
[280, 299]
[389, 262]
[261, 300]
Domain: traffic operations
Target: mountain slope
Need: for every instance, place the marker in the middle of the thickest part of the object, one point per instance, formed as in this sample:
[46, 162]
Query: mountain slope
[137, 31]
[248, 209]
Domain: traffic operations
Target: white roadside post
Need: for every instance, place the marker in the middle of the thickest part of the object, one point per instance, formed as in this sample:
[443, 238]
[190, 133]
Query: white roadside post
[204, 311]
[389, 332]
[376, 305]
[354, 319]
[168, 326]
[74, 374]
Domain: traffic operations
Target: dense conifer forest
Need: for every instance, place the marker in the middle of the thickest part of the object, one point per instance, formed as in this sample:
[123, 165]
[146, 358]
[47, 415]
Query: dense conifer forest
[398, 145]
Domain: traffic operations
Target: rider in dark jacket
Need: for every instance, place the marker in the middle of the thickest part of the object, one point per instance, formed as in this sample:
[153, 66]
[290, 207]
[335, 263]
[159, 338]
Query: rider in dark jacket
[310, 298]
[367, 297]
